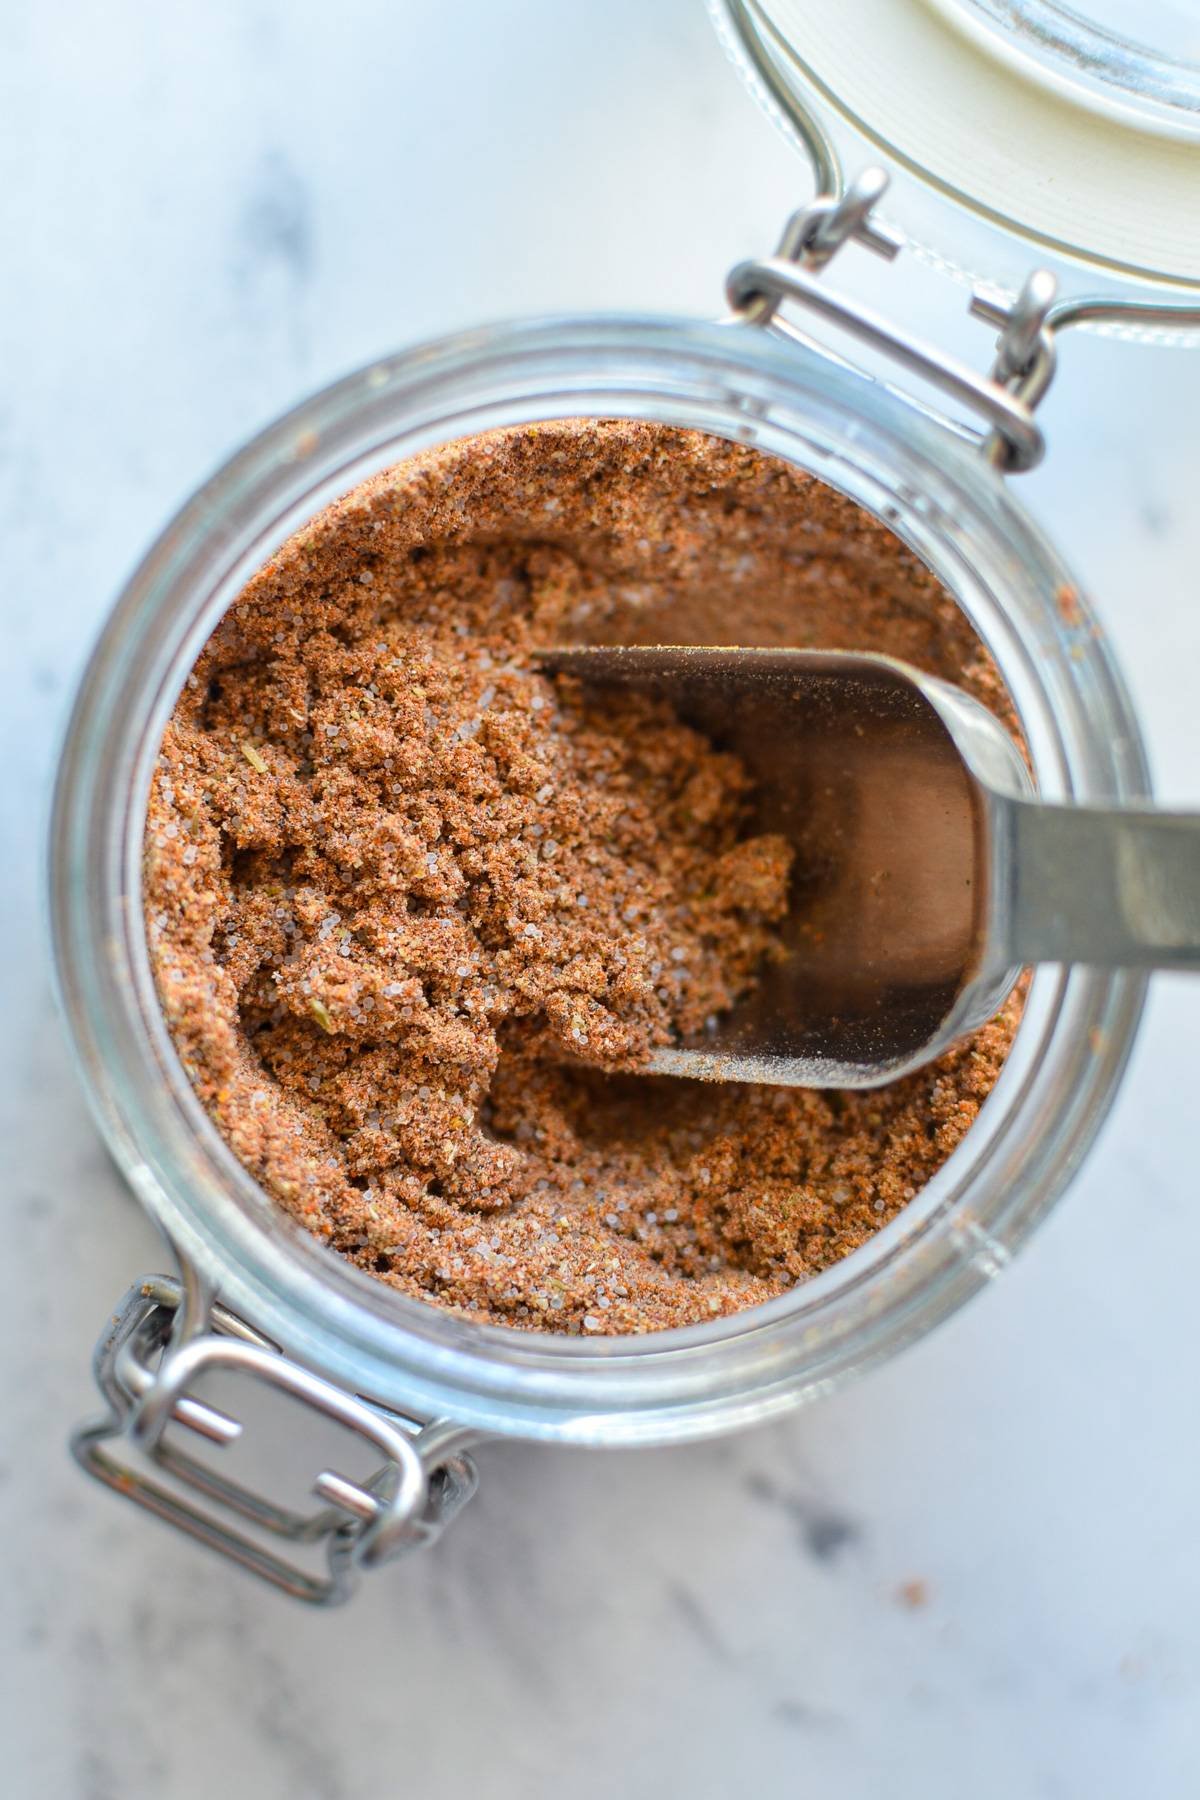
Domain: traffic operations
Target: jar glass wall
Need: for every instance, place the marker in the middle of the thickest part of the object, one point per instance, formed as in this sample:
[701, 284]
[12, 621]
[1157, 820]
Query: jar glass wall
[940, 497]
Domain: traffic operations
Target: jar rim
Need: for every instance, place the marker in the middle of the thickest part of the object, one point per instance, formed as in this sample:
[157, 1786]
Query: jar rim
[926, 485]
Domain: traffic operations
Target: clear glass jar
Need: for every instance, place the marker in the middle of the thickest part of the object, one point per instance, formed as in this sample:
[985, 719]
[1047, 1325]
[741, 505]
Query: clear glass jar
[940, 496]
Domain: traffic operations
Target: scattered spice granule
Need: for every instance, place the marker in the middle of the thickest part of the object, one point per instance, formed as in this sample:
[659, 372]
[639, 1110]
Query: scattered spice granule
[1070, 610]
[913, 1594]
[416, 910]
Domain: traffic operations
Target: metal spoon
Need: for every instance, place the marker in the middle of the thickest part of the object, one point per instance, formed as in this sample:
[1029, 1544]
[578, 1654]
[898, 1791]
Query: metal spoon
[927, 875]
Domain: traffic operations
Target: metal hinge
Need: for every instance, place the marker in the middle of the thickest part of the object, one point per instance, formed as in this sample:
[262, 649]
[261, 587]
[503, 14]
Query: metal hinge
[1027, 326]
[154, 1351]
[1024, 363]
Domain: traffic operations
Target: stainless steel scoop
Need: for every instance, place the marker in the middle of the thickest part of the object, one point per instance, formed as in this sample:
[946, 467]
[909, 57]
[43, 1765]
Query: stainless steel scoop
[927, 875]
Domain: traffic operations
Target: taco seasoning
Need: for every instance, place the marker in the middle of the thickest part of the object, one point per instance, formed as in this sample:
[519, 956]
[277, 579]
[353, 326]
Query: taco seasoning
[418, 912]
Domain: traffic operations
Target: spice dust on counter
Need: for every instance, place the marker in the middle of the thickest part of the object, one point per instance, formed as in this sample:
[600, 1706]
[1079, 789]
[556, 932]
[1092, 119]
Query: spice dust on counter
[417, 911]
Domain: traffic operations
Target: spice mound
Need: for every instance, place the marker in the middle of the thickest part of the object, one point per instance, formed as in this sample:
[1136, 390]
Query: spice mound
[418, 912]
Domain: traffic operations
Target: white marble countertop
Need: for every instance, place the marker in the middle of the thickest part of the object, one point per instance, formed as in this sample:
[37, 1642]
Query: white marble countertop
[211, 207]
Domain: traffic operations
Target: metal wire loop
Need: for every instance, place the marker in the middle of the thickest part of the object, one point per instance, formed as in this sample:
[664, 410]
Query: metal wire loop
[154, 1349]
[1004, 398]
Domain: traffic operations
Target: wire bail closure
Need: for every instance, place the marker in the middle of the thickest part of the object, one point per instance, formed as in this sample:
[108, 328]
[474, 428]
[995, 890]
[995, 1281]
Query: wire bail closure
[1025, 357]
[164, 1336]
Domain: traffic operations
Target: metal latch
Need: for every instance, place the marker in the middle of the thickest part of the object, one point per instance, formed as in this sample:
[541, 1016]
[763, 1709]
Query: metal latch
[1024, 364]
[147, 1361]
[1028, 326]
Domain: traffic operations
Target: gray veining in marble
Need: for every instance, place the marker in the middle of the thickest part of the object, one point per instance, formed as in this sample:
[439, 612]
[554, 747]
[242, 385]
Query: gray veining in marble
[976, 1574]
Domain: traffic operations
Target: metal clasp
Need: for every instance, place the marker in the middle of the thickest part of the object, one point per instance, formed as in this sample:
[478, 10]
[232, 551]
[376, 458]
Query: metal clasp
[1024, 363]
[148, 1358]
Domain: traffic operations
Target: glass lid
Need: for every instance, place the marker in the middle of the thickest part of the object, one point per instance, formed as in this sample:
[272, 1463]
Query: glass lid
[1016, 131]
[1141, 64]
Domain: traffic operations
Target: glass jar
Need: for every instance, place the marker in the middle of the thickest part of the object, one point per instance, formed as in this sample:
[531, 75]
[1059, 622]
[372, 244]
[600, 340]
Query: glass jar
[305, 1305]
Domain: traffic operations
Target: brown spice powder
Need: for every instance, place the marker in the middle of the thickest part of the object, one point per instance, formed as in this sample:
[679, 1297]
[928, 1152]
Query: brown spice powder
[410, 903]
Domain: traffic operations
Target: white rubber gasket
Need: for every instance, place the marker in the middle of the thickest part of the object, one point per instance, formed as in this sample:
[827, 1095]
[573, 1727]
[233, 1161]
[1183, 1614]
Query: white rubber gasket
[1124, 200]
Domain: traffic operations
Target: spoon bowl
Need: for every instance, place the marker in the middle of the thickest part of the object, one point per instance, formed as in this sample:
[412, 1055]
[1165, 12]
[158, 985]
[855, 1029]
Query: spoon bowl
[926, 874]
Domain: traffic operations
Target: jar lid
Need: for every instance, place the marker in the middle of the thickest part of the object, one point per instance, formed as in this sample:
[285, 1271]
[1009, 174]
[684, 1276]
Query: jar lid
[1149, 79]
[1010, 126]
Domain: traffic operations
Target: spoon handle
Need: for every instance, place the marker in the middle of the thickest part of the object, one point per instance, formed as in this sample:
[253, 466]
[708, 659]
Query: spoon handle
[1115, 889]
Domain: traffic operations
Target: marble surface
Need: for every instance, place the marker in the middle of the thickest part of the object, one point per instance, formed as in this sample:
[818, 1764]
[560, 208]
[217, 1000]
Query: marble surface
[976, 1573]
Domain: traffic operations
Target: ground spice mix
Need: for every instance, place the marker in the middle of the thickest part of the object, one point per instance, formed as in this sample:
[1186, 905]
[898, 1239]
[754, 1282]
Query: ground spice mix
[417, 911]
